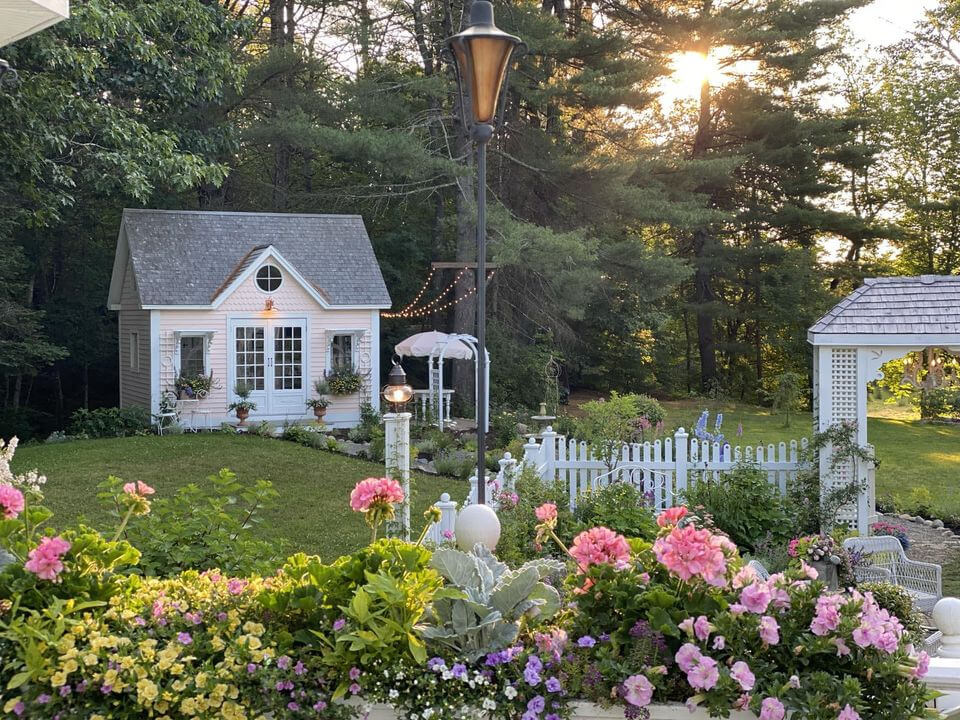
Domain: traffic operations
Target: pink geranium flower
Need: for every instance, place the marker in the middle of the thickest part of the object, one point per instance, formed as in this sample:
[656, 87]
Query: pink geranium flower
[138, 488]
[375, 491]
[546, 512]
[688, 552]
[671, 516]
[45, 560]
[11, 502]
[600, 546]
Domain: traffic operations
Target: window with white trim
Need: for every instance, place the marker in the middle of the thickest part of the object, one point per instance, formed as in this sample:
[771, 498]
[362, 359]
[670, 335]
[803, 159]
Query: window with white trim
[269, 278]
[342, 348]
[134, 351]
[193, 359]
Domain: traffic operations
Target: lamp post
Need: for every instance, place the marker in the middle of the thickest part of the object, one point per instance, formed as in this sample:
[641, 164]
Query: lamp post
[396, 440]
[481, 57]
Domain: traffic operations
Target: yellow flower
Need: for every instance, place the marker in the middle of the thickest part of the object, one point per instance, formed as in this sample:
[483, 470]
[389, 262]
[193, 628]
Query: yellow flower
[146, 692]
[109, 677]
[179, 685]
[217, 643]
[58, 679]
[253, 628]
[90, 659]
[253, 642]
[188, 706]
[232, 711]
[201, 679]
[97, 716]
[11, 703]
[177, 669]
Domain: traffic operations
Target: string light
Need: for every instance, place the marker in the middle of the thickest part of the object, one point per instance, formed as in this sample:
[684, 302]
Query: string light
[416, 299]
[411, 307]
[432, 307]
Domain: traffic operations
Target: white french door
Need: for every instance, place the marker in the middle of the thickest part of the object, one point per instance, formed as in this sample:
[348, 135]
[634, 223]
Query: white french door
[270, 356]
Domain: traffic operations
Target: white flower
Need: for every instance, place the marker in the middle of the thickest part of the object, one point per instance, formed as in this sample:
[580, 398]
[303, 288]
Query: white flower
[510, 692]
[489, 704]
[394, 694]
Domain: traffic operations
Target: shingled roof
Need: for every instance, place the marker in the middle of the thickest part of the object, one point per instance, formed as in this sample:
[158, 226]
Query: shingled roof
[185, 257]
[924, 305]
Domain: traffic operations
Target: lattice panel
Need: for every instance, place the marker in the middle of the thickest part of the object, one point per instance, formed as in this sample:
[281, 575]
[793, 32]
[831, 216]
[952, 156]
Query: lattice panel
[843, 384]
[365, 361]
[843, 381]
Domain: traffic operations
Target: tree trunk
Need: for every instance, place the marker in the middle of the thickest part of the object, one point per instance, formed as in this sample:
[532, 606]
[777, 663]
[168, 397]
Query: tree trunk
[17, 385]
[703, 239]
[86, 386]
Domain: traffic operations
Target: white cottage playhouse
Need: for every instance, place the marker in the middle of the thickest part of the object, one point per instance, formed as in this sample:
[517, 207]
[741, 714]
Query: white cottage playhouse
[274, 300]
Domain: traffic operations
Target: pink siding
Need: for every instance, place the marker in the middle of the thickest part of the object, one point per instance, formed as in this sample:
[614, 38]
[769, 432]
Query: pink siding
[290, 301]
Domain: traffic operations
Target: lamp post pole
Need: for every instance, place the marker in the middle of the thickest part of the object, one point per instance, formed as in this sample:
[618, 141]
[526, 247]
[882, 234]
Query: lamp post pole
[482, 135]
[481, 55]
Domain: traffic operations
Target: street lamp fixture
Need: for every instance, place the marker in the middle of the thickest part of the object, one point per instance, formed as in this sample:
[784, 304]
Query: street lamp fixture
[481, 56]
[397, 392]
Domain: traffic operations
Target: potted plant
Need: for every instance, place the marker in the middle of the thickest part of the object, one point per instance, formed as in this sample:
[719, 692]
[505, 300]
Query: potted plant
[319, 404]
[243, 404]
[344, 381]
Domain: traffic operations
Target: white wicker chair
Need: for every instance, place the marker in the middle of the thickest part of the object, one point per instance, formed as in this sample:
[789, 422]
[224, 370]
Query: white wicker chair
[884, 552]
[759, 569]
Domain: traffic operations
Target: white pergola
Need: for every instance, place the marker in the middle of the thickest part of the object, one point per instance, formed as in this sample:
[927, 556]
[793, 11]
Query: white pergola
[883, 320]
[21, 18]
[437, 347]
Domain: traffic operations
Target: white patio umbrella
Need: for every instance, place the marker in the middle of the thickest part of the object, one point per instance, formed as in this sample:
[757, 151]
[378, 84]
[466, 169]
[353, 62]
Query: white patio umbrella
[426, 344]
[20, 18]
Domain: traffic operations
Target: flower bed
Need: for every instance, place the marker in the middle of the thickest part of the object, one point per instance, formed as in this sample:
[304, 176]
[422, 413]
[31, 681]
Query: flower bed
[611, 627]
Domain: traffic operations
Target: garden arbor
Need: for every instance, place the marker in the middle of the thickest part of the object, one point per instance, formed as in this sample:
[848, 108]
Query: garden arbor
[883, 320]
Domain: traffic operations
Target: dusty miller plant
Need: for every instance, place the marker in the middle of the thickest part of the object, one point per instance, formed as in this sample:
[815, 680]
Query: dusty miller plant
[483, 610]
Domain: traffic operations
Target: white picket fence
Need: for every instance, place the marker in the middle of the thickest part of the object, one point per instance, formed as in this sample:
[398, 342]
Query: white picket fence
[664, 469]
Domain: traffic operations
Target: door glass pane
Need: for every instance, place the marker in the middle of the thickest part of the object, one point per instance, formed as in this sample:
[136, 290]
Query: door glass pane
[249, 360]
[287, 358]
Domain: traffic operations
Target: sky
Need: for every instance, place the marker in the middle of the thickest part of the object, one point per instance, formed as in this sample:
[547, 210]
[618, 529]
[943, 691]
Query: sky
[884, 22]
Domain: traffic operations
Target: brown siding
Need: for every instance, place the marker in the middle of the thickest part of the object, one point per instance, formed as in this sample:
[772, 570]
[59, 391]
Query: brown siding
[135, 376]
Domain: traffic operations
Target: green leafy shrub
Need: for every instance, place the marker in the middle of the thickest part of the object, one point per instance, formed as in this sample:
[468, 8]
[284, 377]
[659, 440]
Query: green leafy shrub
[650, 408]
[619, 506]
[110, 422]
[518, 522]
[503, 426]
[939, 403]
[453, 463]
[203, 526]
[745, 506]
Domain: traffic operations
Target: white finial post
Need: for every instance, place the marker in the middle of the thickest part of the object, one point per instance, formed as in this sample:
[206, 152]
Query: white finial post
[946, 616]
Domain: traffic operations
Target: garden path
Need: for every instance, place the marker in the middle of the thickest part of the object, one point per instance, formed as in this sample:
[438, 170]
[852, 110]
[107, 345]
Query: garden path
[927, 542]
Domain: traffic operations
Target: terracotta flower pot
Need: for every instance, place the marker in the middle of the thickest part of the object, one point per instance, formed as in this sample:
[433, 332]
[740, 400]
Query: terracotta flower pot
[242, 415]
[319, 412]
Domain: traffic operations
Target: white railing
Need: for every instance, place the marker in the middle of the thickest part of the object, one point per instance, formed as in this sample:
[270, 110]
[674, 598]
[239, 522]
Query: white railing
[664, 468]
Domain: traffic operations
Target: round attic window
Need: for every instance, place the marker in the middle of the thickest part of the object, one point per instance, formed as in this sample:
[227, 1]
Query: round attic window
[269, 278]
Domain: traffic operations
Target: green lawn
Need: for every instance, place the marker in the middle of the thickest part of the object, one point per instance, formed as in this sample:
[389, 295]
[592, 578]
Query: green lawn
[911, 453]
[313, 513]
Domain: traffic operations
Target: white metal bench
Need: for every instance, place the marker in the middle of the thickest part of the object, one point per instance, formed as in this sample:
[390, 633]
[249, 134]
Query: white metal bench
[885, 553]
[759, 569]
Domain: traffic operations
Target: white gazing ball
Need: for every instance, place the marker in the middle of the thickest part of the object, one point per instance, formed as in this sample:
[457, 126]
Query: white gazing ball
[477, 524]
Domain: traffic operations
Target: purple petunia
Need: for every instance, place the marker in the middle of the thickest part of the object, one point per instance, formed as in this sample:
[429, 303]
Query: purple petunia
[184, 638]
[586, 642]
[553, 685]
